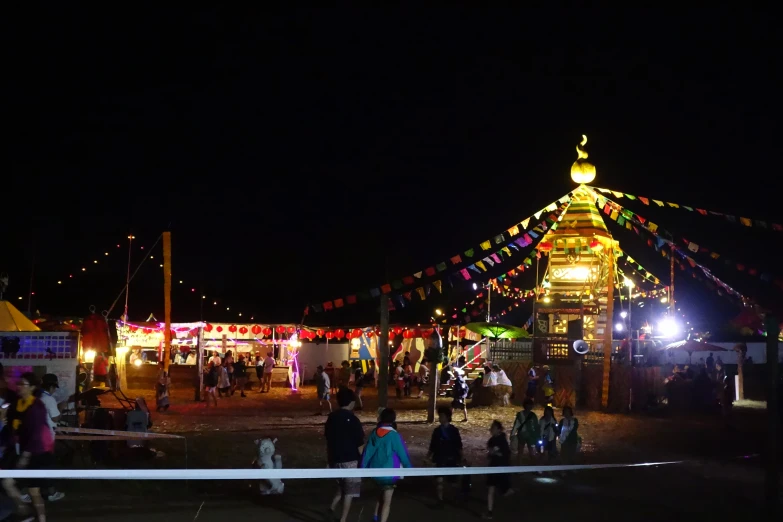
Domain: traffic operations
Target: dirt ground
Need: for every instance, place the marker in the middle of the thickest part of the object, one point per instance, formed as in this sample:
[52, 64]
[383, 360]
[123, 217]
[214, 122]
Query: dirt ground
[223, 437]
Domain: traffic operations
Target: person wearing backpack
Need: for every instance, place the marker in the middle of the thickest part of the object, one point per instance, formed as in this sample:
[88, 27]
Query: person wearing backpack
[526, 430]
[385, 449]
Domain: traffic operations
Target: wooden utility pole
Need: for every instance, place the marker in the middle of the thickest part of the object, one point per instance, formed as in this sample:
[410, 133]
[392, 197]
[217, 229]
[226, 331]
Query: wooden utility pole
[383, 355]
[671, 284]
[772, 460]
[166, 300]
[608, 326]
[435, 363]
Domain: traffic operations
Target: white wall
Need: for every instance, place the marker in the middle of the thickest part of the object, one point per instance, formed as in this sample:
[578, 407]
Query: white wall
[311, 355]
[64, 369]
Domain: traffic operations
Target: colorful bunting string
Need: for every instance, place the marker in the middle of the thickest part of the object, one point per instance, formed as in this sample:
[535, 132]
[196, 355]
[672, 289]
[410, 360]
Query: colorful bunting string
[521, 235]
[744, 221]
[640, 221]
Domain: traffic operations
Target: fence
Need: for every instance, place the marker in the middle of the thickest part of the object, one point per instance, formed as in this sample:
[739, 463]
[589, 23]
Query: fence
[39, 345]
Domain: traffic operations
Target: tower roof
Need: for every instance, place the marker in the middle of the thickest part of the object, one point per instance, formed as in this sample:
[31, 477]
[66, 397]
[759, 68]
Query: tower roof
[581, 218]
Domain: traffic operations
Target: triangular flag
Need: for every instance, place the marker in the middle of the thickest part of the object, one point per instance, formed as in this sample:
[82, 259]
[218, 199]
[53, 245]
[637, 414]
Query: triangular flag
[420, 291]
[513, 231]
[339, 303]
[538, 214]
[386, 288]
[525, 223]
[659, 203]
[644, 200]
[481, 265]
[417, 275]
[441, 267]
[469, 253]
[618, 195]
[437, 285]
[465, 274]
[745, 221]
[499, 239]
[506, 250]
[486, 245]
[456, 259]
[488, 260]
[551, 207]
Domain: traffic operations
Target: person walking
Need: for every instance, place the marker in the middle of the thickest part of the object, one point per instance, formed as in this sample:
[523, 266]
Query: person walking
[358, 382]
[344, 436]
[445, 449]
[31, 432]
[210, 383]
[385, 449]
[499, 454]
[49, 386]
[323, 387]
[423, 377]
[526, 430]
[240, 374]
[269, 365]
[162, 389]
[548, 437]
[260, 372]
[569, 436]
[100, 369]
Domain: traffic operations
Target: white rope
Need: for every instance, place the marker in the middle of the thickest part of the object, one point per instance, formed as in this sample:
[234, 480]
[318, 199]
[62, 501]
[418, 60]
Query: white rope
[314, 473]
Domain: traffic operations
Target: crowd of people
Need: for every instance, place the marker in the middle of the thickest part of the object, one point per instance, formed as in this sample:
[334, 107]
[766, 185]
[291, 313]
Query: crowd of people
[224, 376]
[384, 447]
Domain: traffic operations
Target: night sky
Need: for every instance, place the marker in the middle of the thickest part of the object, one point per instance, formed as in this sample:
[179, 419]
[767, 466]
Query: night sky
[301, 157]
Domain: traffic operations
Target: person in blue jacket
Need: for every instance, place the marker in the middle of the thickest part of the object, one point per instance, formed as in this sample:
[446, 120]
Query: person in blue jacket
[385, 449]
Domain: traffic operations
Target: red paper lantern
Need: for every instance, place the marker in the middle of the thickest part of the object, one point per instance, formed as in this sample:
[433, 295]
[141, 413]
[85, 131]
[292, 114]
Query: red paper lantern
[133, 329]
[329, 335]
[219, 329]
[391, 335]
[320, 332]
[339, 333]
[596, 245]
[370, 334]
[146, 331]
[425, 334]
[545, 246]
[208, 328]
[357, 332]
[267, 331]
[349, 336]
[256, 329]
[311, 335]
[397, 330]
[232, 328]
[243, 330]
[417, 333]
[280, 330]
[291, 329]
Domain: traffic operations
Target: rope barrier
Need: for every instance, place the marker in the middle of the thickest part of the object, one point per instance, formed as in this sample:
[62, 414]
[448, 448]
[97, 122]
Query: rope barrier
[290, 474]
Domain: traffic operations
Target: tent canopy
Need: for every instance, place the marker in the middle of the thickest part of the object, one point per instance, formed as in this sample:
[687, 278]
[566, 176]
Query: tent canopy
[498, 331]
[12, 320]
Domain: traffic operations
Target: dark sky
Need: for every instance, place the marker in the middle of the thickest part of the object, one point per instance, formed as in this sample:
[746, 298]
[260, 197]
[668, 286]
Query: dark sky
[304, 156]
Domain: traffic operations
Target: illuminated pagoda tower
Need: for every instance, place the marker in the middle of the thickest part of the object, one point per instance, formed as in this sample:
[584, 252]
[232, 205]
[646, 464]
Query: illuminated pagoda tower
[579, 271]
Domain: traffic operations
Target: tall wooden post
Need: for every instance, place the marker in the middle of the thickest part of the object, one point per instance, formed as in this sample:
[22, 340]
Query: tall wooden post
[167, 299]
[434, 384]
[608, 326]
[772, 460]
[671, 284]
[383, 355]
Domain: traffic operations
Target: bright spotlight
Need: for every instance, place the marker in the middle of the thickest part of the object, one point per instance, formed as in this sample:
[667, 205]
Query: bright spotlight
[475, 286]
[664, 300]
[668, 328]
[627, 282]
[137, 362]
[619, 327]
[438, 312]
[623, 314]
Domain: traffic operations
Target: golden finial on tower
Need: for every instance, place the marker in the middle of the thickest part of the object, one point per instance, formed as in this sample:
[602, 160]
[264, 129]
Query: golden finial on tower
[582, 171]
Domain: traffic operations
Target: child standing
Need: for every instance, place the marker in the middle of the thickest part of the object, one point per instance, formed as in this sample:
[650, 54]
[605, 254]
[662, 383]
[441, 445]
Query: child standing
[569, 435]
[385, 449]
[549, 433]
[423, 377]
[445, 448]
[526, 430]
[499, 454]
